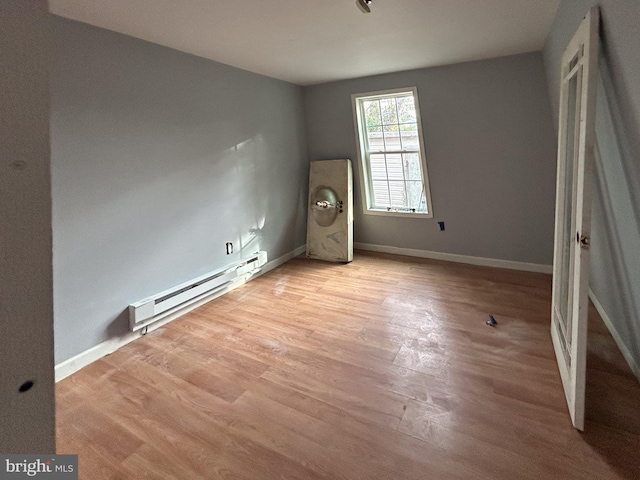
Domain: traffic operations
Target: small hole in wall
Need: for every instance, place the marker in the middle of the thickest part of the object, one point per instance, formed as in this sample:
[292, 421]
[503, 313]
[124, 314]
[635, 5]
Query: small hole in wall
[26, 386]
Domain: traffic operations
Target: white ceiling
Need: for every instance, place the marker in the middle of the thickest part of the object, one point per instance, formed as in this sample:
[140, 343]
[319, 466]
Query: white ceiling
[315, 41]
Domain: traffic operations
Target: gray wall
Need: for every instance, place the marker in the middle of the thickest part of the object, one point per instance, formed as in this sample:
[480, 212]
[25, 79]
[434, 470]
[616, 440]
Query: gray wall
[615, 250]
[490, 149]
[26, 294]
[158, 159]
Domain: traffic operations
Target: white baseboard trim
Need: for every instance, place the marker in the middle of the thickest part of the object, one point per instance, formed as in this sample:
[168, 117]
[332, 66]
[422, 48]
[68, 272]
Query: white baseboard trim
[280, 260]
[453, 257]
[73, 364]
[635, 368]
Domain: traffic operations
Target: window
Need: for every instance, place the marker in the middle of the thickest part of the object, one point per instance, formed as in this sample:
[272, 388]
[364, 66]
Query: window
[391, 149]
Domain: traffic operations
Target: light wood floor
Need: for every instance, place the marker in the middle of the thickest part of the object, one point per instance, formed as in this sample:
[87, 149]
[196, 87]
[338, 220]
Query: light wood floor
[379, 369]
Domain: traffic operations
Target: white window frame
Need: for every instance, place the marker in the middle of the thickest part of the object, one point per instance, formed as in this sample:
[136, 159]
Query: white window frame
[363, 154]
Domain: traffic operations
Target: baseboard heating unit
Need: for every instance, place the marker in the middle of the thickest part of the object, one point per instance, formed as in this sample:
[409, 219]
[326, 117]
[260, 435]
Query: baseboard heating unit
[159, 306]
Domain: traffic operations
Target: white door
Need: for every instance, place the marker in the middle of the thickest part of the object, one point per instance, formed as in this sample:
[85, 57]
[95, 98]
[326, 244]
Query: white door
[330, 218]
[573, 211]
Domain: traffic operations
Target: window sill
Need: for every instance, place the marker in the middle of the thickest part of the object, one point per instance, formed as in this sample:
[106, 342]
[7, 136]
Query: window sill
[386, 213]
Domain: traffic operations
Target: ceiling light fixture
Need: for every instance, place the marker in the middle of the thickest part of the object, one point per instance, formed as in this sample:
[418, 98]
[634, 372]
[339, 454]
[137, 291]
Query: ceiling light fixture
[364, 5]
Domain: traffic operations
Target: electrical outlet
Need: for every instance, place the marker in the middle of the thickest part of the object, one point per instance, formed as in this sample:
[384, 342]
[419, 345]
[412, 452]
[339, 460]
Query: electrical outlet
[229, 246]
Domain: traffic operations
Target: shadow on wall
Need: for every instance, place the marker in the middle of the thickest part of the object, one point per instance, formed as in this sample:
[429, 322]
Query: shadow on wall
[615, 274]
[119, 324]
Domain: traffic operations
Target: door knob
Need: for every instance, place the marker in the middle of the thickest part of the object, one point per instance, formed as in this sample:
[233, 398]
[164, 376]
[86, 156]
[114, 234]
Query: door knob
[583, 240]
